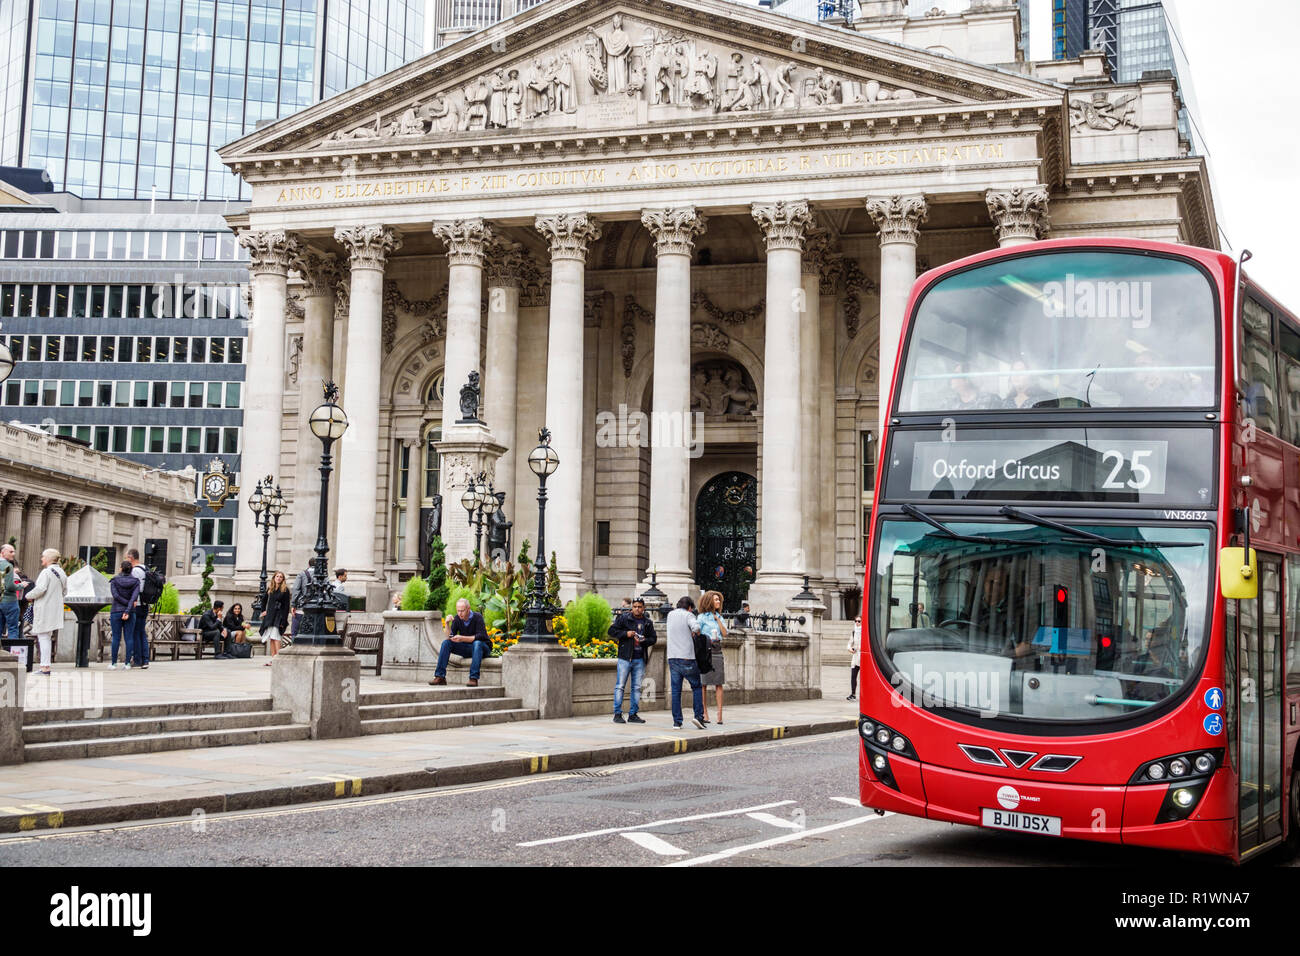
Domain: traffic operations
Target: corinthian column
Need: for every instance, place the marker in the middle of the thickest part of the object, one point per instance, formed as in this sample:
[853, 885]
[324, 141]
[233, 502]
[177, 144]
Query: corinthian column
[320, 274]
[465, 239]
[72, 529]
[505, 266]
[414, 478]
[30, 548]
[568, 235]
[270, 255]
[54, 526]
[816, 249]
[898, 218]
[670, 464]
[14, 506]
[369, 247]
[1019, 214]
[781, 481]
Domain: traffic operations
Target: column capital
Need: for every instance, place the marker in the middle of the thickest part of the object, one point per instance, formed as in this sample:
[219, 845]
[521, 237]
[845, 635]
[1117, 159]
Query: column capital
[674, 229]
[465, 240]
[36, 502]
[1018, 213]
[783, 223]
[898, 218]
[320, 272]
[271, 252]
[15, 499]
[57, 507]
[75, 510]
[504, 260]
[569, 234]
[369, 246]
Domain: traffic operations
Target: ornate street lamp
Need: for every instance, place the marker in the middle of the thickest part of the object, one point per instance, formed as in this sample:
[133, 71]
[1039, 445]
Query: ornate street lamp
[488, 505]
[469, 501]
[328, 422]
[267, 504]
[543, 461]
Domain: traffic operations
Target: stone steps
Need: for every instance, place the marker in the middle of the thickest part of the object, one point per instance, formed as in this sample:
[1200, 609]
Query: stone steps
[148, 726]
[374, 698]
[400, 725]
[433, 708]
[241, 705]
[155, 743]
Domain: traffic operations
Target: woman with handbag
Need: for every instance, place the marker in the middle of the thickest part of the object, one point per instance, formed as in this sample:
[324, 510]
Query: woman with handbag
[275, 618]
[714, 630]
[235, 627]
[125, 589]
[47, 603]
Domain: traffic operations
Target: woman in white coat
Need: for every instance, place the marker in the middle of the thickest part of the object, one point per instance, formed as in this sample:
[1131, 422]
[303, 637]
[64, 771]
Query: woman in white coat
[47, 597]
[855, 650]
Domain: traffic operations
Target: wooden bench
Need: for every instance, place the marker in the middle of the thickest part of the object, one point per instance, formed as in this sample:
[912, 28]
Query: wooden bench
[365, 639]
[170, 632]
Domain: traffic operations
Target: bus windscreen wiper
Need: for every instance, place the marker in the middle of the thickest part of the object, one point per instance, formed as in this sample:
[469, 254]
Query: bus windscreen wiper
[915, 512]
[1031, 518]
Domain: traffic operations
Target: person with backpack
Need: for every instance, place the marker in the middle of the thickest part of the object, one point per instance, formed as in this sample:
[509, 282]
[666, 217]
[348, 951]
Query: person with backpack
[125, 589]
[151, 588]
[47, 595]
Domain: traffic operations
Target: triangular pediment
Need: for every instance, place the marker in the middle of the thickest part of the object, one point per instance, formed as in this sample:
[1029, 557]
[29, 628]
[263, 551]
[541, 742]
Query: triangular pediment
[594, 65]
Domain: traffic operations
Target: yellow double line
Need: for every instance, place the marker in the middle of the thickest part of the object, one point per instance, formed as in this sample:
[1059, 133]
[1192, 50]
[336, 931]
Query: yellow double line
[537, 763]
[341, 784]
[28, 820]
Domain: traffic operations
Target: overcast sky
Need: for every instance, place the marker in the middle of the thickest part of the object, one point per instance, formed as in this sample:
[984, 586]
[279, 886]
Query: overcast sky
[1243, 59]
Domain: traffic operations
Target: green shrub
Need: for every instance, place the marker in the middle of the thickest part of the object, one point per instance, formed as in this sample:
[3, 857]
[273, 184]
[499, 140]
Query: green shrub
[169, 602]
[599, 615]
[575, 615]
[553, 582]
[99, 561]
[415, 595]
[437, 579]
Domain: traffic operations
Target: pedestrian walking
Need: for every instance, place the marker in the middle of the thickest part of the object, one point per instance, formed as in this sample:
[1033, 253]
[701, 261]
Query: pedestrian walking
[47, 614]
[138, 646]
[297, 598]
[635, 633]
[715, 629]
[125, 589]
[855, 650]
[11, 621]
[682, 628]
[275, 618]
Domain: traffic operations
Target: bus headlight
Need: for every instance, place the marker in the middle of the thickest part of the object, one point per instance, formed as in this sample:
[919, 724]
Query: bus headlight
[1156, 771]
[1181, 800]
[1185, 767]
[882, 735]
[1178, 767]
[879, 737]
[1204, 763]
[879, 762]
[1183, 797]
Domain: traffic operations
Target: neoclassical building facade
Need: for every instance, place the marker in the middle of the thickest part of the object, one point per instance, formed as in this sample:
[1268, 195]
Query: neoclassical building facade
[680, 238]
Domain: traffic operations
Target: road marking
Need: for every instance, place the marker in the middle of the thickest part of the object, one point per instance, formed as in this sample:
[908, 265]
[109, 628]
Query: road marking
[775, 821]
[778, 733]
[848, 801]
[654, 844]
[775, 841]
[536, 761]
[679, 743]
[656, 823]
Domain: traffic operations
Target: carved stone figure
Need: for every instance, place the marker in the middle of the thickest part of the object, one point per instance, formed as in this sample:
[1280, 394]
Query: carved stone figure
[594, 48]
[514, 100]
[681, 73]
[663, 65]
[1101, 113]
[442, 113]
[497, 118]
[760, 85]
[537, 90]
[618, 49]
[476, 108]
[780, 88]
[562, 100]
[700, 87]
[731, 95]
[823, 88]
[720, 388]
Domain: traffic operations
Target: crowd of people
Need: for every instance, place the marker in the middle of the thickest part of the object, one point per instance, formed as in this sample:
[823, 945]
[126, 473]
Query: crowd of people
[37, 607]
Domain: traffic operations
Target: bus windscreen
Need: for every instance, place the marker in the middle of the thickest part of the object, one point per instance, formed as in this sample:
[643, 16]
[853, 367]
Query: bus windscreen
[1073, 329]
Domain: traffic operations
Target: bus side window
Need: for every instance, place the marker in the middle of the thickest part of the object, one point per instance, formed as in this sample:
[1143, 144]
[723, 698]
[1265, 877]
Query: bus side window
[1288, 341]
[1292, 646]
[1257, 366]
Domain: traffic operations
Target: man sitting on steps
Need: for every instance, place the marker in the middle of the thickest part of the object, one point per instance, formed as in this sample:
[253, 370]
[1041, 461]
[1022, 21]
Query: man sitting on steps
[466, 637]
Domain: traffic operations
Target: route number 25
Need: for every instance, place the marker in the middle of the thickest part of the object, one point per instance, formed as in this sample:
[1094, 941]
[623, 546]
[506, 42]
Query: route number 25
[1141, 474]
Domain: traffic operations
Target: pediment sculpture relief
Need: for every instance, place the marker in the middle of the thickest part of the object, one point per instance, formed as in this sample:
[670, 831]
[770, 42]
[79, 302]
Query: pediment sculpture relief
[722, 389]
[622, 73]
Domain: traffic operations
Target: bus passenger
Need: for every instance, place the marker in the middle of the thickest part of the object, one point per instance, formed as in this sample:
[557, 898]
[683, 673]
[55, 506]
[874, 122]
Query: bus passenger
[1024, 393]
[965, 393]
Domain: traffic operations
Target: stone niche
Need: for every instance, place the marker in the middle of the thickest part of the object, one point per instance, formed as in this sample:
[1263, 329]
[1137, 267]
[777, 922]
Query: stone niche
[722, 390]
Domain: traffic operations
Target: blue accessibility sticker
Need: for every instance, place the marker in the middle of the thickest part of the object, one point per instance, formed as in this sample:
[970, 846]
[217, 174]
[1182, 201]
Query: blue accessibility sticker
[1214, 698]
[1214, 724]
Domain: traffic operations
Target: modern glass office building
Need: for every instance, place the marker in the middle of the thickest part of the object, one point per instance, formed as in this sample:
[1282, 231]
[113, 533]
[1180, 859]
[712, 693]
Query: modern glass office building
[131, 98]
[128, 330]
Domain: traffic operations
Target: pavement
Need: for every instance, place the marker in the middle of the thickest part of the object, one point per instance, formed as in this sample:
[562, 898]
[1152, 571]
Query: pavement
[67, 793]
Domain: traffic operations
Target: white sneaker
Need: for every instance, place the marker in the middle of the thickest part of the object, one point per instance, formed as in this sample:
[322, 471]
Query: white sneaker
[126, 667]
[112, 667]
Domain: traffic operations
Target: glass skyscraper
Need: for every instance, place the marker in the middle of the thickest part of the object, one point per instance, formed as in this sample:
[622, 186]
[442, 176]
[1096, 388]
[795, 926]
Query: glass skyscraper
[122, 99]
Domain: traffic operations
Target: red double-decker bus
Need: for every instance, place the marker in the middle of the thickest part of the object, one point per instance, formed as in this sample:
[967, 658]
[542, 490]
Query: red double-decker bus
[1083, 579]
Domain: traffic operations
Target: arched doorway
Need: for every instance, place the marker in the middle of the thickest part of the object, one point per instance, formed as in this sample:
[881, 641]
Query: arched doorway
[726, 521]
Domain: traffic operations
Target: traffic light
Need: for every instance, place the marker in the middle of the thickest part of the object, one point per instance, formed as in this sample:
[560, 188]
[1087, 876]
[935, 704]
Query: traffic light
[1061, 606]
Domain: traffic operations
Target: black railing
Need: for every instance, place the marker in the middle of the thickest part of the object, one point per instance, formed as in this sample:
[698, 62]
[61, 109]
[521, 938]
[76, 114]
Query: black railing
[764, 623]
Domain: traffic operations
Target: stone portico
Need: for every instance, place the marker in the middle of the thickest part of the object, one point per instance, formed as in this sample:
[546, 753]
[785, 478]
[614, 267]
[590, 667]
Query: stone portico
[683, 242]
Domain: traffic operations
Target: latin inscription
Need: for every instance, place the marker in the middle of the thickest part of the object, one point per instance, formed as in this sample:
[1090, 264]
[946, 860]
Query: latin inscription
[642, 173]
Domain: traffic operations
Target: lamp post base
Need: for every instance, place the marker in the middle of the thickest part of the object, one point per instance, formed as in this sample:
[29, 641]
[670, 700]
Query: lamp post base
[320, 686]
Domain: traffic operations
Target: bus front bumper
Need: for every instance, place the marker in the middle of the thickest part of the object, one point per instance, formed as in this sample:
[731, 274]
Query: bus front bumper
[1110, 814]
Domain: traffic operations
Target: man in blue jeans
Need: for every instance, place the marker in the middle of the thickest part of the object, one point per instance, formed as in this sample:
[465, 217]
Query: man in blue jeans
[466, 637]
[11, 626]
[139, 646]
[682, 627]
[635, 633]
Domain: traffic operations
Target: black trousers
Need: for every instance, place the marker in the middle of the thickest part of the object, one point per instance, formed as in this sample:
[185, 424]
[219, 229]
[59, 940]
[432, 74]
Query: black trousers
[853, 680]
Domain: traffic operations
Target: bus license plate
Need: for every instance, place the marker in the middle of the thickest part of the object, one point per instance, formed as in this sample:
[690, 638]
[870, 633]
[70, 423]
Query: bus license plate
[1024, 822]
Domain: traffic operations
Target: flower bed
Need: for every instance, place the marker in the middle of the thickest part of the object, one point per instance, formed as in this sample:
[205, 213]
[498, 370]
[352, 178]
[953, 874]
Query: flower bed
[596, 647]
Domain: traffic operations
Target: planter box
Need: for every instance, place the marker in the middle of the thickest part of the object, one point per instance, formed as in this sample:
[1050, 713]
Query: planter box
[411, 641]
